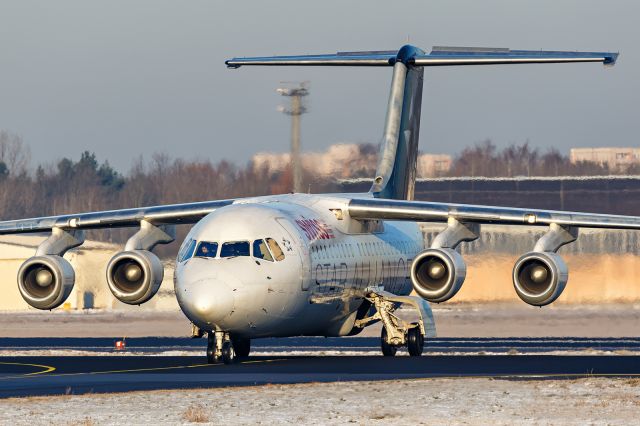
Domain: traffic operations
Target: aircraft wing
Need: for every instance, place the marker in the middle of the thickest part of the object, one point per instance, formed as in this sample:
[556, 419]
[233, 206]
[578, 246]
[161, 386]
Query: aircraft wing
[157, 215]
[421, 211]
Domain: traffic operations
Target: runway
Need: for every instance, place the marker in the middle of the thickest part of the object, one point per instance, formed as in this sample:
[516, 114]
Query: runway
[109, 372]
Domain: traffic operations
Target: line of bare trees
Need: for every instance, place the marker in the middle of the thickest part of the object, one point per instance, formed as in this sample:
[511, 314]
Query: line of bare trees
[69, 186]
[486, 160]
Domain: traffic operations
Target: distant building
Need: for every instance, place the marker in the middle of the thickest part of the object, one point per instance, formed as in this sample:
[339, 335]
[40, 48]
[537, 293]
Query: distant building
[347, 160]
[615, 158]
[433, 165]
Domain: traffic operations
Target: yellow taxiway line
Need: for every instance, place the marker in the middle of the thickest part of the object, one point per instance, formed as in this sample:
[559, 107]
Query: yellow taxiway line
[49, 369]
[45, 369]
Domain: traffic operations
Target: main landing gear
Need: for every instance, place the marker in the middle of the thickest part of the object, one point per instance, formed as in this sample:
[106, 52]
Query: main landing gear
[395, 331]
[226, 348]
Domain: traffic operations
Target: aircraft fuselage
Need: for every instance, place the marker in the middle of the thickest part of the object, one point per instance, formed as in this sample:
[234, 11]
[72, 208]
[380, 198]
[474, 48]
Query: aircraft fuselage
[289, 265]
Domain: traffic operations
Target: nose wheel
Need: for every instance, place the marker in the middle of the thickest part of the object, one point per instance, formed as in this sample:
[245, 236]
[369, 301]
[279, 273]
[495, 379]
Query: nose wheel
[228, 354]
[222, 347]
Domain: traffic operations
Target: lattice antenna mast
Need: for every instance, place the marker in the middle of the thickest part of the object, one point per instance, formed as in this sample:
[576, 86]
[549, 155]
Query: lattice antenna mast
[296, 92]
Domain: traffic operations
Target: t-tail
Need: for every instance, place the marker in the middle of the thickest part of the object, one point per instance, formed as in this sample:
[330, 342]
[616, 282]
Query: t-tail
[396, 172]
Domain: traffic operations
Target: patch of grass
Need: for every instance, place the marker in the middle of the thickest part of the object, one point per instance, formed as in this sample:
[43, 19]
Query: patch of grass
[196, 413]
[381, 415]
[87, 421]
[633, 382]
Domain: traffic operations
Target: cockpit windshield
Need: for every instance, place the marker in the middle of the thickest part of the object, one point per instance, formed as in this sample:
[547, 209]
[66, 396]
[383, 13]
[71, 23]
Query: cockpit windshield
[275, 249]
[261, 251]
[187, 250]
[206, 249]
[233, 249]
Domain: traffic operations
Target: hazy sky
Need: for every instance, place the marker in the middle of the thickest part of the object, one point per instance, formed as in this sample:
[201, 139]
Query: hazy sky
[125, 78]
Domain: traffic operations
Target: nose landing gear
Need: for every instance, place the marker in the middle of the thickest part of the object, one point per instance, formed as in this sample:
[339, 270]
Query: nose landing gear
[223, 347]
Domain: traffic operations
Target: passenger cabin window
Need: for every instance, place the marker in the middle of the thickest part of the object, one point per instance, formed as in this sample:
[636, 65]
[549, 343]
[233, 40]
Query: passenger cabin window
[261, 251]
[233, 249]
[275, 249]
[206, 249]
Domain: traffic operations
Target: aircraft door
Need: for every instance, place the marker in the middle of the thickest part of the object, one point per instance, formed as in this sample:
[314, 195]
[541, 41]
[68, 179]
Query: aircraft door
[295, 247]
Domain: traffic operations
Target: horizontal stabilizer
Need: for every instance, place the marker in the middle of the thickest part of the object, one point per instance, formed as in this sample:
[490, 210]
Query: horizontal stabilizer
[439, 56]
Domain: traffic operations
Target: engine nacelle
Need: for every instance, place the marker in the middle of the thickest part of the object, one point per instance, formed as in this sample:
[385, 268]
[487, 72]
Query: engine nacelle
[540, 277]
[438, 274]
[45, 282]
[134, 276]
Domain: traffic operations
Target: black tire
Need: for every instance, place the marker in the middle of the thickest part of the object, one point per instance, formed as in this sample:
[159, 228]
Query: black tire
[415, 341]
[387, 349]
[242, 347]
[211, 347]
[228, 355]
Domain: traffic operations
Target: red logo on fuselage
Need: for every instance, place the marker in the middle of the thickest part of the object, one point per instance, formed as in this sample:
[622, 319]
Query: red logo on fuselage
[315, 229]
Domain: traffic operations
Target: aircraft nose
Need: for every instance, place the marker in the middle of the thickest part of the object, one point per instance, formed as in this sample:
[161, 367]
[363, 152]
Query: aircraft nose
[210, 300]
[207, 301]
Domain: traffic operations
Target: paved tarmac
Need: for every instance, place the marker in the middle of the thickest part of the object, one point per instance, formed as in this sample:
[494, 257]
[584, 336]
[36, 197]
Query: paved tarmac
[49, 375]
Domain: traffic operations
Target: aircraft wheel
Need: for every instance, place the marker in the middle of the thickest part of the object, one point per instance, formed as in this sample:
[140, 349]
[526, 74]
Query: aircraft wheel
[387, 349]
[415, 341]
[228, 354]
[242, 347]
[211, 348]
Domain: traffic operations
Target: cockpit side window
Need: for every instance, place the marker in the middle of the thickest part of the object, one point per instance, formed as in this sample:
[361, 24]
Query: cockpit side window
[275, 249]
[236, 248]
[261, 251]
[206, 249]
[187, 250]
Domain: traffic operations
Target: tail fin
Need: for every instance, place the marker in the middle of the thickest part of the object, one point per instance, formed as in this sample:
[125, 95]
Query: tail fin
[396, 173]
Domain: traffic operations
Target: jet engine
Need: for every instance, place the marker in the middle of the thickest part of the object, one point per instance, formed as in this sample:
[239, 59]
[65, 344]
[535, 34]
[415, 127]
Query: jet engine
[134, 276]
[45, 282]
[540, 277]
[438, 274]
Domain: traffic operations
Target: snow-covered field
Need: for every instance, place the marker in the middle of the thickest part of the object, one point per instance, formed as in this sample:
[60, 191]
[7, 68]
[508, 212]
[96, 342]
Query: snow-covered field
[428, 401]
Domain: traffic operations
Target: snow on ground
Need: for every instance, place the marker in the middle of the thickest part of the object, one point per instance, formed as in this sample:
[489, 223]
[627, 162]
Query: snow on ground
[409, 402]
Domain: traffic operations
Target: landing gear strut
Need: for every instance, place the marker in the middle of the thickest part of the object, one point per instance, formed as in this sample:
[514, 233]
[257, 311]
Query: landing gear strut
[211, 348]
[395, 331]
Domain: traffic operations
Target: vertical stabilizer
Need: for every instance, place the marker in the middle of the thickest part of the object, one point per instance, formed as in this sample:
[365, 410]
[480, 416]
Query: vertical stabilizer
[396, 172]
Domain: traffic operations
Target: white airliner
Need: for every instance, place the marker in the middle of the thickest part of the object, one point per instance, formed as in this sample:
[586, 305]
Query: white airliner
[319, 265]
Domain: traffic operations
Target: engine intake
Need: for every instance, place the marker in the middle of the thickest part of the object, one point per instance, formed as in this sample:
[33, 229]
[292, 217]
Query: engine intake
[437, 274]
[134, 276]
[45, 282]
[540, 277]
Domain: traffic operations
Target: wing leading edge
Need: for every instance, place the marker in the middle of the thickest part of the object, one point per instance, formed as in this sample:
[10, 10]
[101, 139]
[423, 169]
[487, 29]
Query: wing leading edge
[157, 215]
[383, 209]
